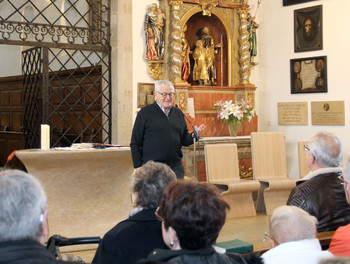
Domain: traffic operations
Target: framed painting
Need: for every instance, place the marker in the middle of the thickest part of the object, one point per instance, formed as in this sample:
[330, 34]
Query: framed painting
[294, 2]
[145, 94]
[308, 75]
[308, 29]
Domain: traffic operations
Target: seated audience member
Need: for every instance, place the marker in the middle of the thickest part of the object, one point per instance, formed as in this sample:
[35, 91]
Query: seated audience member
[133, 238]
[192, 216]
[293, 238]
[340, 244]
[321, 193]
[23, 220]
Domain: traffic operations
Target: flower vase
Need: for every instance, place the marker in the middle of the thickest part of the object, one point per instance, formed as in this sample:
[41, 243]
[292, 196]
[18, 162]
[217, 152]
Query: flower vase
[232, 128]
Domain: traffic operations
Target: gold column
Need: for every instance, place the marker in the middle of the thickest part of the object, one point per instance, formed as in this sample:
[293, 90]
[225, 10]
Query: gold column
[175, 41]
[244, 47]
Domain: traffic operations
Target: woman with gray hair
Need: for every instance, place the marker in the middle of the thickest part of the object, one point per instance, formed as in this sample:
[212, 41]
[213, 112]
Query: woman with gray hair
[293, 238]
[133, 238]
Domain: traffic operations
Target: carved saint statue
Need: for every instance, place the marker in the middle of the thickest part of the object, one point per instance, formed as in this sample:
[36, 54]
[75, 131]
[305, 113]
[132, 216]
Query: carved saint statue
[205, 49]
[200, 69]
[253, 46]
[154, 31]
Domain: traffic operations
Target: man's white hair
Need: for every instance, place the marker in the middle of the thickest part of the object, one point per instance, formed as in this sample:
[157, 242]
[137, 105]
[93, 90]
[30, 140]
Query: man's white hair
[163, 82]
[290, 223]
[22, 206]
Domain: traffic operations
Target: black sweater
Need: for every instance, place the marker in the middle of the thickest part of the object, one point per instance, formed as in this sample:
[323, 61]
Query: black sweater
[26, 252]
[158, 137]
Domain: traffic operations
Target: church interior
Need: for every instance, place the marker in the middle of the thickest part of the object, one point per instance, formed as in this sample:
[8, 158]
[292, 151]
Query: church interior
[89, 68]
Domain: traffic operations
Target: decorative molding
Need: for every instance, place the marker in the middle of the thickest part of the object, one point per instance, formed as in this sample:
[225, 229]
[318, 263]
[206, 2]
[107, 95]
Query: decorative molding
[155, 69]
[175, 42]
[244, 48]
[207, 6]
[11, 30]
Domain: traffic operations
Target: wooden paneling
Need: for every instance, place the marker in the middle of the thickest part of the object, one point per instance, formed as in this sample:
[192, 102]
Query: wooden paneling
[82, 105]
[11, 109]
[9, 141]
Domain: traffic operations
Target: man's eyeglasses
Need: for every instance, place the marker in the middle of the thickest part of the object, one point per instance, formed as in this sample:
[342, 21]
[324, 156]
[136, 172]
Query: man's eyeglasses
[164, 95]
[341, 179]
[306, 147]
[158, 216]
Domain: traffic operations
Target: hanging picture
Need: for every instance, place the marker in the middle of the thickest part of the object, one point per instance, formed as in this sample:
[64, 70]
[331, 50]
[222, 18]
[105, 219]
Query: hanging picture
[145, 94]
[308, 29]
[294, 2]
[309, 75]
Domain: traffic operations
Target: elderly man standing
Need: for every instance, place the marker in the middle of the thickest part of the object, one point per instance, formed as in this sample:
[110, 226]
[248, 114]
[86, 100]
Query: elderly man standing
[293, 238]
[23, 220]
[320, 193]
[160, 130]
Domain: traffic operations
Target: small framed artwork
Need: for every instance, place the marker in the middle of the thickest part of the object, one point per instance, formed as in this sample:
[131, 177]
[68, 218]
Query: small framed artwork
[308, 29]
[294, 2]
[308, 75]
[145, 94]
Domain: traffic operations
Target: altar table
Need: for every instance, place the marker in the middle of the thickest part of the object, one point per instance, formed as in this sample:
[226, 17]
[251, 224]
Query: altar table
[87, 190]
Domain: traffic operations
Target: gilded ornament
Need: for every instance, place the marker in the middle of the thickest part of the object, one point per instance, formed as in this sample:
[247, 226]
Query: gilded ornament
[176, 42]
[155, 69]
[207, 6]
[244, 47]
[182, 101]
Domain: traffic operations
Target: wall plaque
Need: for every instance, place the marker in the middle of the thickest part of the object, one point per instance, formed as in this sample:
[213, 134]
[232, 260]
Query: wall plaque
[329, 113]
[294, 113]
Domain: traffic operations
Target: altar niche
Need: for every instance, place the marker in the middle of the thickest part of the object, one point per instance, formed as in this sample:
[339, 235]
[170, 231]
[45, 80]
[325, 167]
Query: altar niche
[214, 37]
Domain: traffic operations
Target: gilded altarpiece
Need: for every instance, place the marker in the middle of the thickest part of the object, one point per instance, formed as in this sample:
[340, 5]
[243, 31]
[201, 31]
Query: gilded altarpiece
[226, 22]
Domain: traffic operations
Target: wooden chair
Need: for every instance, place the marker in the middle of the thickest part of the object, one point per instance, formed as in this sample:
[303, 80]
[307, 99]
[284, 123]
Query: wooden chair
[222, 170]
[270, 168]
[303, 168]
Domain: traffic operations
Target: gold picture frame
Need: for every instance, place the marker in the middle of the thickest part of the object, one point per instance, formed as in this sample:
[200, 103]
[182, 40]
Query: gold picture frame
[145, 94]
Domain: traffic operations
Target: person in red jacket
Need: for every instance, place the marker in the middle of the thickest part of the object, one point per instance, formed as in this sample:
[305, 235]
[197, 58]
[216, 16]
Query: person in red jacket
[340, 244]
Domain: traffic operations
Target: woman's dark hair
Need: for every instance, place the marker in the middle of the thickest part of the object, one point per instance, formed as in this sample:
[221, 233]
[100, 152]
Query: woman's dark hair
[196, 211]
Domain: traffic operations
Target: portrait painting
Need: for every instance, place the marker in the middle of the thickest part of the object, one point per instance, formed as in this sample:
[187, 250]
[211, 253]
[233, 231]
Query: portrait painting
[309, 75]
[308, 29]
[294, 2]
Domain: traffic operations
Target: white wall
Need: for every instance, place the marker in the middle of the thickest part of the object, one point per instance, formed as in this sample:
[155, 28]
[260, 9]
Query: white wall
[11, 60]
[276, 48]
[140, 70]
